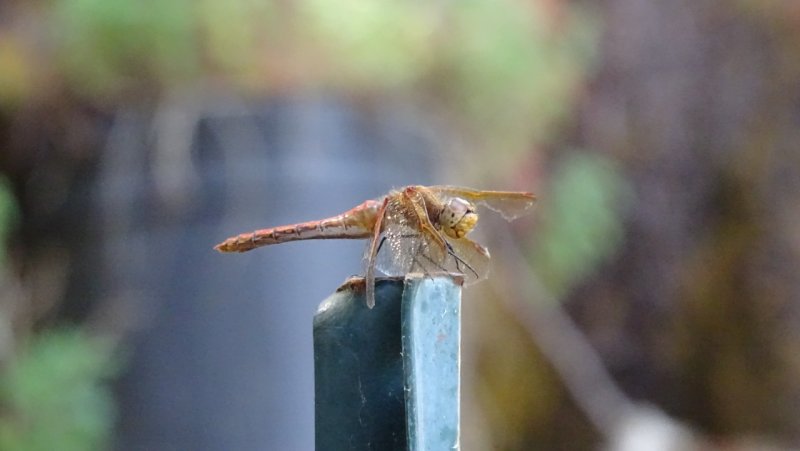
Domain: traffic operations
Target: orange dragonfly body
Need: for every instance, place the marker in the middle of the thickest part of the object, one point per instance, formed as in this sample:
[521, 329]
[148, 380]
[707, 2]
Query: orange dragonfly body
[414, 229]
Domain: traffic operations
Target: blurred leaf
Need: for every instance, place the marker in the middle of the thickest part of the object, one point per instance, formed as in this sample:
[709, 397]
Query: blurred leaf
[381, 43]
[53, 395]
[108, 44]
[9, 215]
[506, 70]
[513, 71]
[15, 72]
[581, 220]
[232, 32]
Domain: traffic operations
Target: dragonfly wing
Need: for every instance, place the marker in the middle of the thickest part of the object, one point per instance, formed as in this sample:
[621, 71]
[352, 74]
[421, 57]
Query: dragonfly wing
[396, 251]
[404, 247]
[372, 250]
[469, 258]
[397, 239]
[403, 254]
[510, 204]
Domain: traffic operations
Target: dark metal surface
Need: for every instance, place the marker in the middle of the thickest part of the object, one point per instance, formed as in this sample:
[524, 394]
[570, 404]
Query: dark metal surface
[388, 378]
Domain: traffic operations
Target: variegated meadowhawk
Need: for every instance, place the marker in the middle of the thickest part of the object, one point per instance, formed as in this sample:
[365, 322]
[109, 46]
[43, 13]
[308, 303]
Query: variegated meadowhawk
[414, 229]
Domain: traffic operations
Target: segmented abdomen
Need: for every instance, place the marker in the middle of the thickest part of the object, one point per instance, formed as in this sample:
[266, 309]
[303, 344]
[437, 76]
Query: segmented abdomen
[356, 223]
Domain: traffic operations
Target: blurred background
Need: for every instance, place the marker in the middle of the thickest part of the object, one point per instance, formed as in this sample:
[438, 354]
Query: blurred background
[651, 302]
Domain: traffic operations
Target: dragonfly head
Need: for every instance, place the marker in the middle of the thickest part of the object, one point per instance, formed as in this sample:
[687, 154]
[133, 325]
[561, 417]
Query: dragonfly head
[457, 218]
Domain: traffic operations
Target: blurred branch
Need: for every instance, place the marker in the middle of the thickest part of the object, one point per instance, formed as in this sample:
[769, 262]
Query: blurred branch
[626, 424]
[560, 340]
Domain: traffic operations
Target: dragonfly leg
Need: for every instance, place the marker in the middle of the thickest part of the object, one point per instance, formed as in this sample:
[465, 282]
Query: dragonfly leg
[373, 251]
[459, 261]
[455, 257]
[442, 268]
[380, 245]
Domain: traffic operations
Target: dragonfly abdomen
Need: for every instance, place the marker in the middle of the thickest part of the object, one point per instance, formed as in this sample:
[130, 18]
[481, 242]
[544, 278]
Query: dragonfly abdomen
[353, 224]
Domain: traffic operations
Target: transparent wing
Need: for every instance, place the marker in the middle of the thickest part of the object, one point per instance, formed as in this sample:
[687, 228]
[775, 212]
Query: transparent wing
[405, 254]
[510, 204]
[405, 248]
[402, 241]
[402, 253]
[469, 258]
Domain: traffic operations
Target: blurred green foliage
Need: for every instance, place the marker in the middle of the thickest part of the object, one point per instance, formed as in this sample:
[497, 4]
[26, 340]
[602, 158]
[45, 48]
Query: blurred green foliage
[505, 71]
[9, 216]
[53, 395]
[373, 44]
[502, 73]
[15, 73]
[515, 70]
[106, 44]
[581, 220]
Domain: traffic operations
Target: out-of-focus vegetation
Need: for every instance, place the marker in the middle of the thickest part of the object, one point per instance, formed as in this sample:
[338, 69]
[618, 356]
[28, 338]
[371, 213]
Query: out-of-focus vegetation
[53, 386]
[581, 225]
[501, 75]
[54, 394]
[672, 236]
[108, 49]
[505, 72]
[9, 218]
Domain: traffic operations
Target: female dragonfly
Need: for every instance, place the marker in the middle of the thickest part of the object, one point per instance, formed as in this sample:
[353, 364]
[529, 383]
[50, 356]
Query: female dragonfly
[413, 229]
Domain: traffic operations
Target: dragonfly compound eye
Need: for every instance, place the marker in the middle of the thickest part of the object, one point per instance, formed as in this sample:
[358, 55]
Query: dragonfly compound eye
[458, 218]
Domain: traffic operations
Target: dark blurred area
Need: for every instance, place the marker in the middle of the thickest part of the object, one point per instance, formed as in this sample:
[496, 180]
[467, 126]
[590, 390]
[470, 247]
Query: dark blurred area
[650, 303]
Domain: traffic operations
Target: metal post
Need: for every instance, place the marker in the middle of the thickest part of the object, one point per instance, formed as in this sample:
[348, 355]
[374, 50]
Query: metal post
[388, 378]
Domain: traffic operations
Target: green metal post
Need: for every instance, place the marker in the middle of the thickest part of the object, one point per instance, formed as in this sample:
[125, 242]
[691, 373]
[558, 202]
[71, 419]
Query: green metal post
[388, 378]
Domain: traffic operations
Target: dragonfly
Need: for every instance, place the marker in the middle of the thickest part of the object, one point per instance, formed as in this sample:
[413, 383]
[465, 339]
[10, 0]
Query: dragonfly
[412, 229]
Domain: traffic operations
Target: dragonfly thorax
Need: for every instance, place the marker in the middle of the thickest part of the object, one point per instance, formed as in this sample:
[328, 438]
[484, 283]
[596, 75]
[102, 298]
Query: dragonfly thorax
[457, 218]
